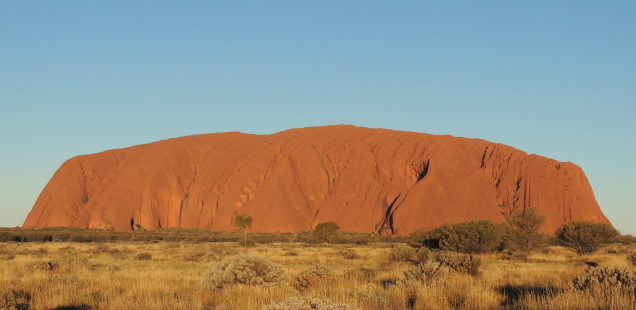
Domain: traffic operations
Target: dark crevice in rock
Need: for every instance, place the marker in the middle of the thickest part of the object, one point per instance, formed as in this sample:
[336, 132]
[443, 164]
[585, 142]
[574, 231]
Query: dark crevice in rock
[387, 222]
[186, 191]
[483, 158]
[424, 172]
[181, 209]
[85, 197]
[518, 184]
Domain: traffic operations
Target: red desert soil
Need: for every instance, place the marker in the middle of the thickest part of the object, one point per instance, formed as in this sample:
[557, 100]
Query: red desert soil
[366, 180]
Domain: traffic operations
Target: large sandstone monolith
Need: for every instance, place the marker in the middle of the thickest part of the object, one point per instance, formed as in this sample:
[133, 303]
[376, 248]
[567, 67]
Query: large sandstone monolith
[363, 179]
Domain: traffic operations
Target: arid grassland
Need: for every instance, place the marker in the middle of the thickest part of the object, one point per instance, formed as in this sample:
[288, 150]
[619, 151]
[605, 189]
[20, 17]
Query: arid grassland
[224, 275]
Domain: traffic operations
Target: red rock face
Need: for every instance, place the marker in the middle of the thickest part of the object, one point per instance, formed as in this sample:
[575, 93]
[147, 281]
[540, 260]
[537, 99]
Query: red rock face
[366, 180]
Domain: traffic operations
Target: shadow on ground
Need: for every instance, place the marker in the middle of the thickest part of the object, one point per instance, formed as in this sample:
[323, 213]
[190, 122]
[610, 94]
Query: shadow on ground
[73, 307]
[513, 293]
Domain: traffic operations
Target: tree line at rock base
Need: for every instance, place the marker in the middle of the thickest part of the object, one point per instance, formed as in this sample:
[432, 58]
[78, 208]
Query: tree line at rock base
[519, 235]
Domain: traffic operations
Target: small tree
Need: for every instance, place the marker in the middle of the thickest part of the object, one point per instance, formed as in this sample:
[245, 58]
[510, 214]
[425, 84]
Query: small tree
[243, 222]
[585, 237]
[325, 232]
[523, 229]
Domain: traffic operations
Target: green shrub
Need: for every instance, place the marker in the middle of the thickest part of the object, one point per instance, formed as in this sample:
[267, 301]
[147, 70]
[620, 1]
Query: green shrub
[585, 237]
[347, 237]
[246, 269]
[62, 237]
[6, 236]
[522, 233]
[325, 232]
[409, 254]
[312, 276]
[467, 237]
[605, 280]
[81, 238]
[418, 237]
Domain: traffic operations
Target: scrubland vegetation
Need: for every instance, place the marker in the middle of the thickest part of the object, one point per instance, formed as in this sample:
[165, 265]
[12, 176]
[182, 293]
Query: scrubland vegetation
[474, 265]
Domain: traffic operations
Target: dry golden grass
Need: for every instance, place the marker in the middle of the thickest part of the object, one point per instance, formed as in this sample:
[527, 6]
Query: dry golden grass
[111, 276]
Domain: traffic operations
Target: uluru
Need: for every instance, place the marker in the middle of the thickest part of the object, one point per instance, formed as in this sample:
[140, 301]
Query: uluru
[365, 180]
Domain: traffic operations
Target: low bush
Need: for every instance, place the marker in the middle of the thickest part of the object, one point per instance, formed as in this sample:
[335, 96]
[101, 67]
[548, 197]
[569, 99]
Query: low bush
[347, 237]
[15, 299]
[246, 269]
[312, 276]
[305, 303]
[626, 239]
[71, 263]
[143, 256]
[425, 272]
[632, 258]
[81, 238]
[102, 248]
[223, 250]
[366, 273]
[193, 257]
[402, 253]
[418, 237]
[612, 250]
[6, 236]
[6, 255]
[42, 266]
[585, 237]
[325, 232]
[459, 262]
[467, 237]
[66, 263]
[348, 254]
[605, 280]
[409, 254]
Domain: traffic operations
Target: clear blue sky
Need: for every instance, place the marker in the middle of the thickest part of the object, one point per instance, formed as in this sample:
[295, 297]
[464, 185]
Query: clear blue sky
[555, 78]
